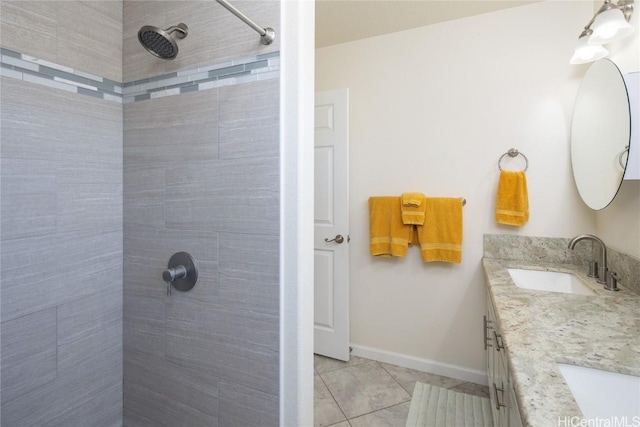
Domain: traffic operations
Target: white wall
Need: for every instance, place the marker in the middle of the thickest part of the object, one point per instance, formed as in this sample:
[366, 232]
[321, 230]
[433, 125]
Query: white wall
[432, 110]
[619, 223]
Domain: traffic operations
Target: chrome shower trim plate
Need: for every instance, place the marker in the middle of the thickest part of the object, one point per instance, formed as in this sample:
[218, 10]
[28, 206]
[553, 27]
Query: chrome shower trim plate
[268, 37]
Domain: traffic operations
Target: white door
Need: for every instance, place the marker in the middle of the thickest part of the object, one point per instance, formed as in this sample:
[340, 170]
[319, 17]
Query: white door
[331, 219]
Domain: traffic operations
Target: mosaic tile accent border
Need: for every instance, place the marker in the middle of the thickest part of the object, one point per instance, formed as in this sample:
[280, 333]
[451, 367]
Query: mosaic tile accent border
[261, 67]
[34, 70]
[24, 67]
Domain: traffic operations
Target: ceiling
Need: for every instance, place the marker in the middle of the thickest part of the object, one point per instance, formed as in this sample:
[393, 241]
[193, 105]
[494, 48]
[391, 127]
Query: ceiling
[348, 20]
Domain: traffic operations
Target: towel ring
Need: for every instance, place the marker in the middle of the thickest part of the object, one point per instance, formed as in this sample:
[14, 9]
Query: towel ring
[513, 153]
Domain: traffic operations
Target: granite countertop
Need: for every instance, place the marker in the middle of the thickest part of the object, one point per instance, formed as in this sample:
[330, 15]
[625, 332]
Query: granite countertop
[541, 328]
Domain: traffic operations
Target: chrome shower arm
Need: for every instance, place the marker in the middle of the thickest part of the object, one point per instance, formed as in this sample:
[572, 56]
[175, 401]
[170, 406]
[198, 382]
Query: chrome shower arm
[243, 17]
[267, 35]
[182, 30]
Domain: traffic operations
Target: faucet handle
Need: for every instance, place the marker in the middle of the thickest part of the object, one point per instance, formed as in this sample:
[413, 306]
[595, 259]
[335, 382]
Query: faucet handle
[612, 282]
[593, 269]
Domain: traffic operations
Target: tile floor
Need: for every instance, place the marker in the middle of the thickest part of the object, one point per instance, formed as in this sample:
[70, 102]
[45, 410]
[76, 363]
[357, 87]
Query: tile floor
[366, 393]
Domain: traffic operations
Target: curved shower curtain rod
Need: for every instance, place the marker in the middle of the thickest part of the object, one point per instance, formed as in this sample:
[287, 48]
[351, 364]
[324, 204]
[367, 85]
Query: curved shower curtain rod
[267, 35]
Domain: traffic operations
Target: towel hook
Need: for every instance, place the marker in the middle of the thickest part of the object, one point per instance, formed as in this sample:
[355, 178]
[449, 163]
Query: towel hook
[513, 152]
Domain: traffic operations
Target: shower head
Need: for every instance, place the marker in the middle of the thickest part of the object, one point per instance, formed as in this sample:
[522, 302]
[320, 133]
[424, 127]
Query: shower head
[160, 42]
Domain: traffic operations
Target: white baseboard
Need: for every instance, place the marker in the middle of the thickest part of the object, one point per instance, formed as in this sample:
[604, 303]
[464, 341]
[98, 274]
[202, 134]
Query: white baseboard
[419, 364]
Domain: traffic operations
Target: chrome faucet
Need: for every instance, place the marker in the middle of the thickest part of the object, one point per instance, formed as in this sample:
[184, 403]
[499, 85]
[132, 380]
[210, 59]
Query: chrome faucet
[603, 276]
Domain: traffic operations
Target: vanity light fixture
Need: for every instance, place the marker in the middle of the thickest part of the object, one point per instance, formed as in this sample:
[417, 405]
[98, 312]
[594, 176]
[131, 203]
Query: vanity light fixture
[586, 52]
[610, 23]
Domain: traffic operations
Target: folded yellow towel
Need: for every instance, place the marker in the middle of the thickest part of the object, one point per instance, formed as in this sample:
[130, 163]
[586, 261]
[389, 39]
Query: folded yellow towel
[412, 199]
[441, 235]
[512, 201]
[413, 208]
[388, 235]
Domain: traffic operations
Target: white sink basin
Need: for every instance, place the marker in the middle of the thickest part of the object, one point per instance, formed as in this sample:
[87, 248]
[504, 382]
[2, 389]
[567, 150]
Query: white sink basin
[551, 281]
[603, 394]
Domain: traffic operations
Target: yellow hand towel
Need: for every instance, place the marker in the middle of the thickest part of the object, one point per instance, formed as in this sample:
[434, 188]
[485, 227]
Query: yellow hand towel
[512, 201]
[412, 199]
[441, 235]
[413, 208]
[388, 235]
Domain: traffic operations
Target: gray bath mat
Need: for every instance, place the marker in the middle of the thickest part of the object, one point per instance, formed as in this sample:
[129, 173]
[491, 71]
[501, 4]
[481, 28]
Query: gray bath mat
[433, 406]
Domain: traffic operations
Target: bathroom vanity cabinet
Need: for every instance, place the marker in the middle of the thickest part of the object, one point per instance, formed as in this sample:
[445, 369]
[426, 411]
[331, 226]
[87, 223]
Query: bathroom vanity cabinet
[530, 332]
[504, 406]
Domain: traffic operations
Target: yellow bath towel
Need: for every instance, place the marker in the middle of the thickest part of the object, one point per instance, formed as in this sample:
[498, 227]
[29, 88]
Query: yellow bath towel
[512, 201]
[413, 208]
[441, 235]
[388, 235]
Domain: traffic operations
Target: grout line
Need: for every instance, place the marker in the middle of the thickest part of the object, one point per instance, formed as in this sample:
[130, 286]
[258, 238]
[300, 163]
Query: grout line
[346, 364]
[373, 411]
[334, 399]
[397, 382]
[381, 409]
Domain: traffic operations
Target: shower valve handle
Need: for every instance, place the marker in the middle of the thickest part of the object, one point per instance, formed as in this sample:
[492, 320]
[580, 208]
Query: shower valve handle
[172, 274]
[181, 273]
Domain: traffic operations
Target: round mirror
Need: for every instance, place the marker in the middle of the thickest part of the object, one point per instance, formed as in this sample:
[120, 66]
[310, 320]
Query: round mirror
[600, 133]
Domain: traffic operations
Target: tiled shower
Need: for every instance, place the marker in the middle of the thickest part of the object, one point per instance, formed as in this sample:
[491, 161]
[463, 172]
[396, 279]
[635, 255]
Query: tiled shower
[113, 160]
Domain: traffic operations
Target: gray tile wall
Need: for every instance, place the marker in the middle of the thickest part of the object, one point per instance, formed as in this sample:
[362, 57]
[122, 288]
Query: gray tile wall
[201, 174]
[61, 221]
[61, 257]
[182, 194]
[81, 34]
